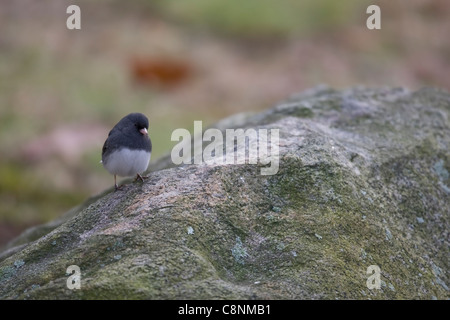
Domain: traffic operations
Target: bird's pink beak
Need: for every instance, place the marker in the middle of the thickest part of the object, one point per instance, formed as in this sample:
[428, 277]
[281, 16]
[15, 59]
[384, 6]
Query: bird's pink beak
[143, 131]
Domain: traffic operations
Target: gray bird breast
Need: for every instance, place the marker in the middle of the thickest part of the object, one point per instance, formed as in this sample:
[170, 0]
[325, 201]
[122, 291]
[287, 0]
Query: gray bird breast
[127, 162]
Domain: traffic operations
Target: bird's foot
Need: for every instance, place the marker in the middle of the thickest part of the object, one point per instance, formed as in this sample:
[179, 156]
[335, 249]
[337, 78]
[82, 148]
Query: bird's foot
[115, 184]
[138, 176]
[118, 187]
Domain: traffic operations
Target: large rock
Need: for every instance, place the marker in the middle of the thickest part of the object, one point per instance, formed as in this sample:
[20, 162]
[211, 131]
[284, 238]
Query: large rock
[363, 180]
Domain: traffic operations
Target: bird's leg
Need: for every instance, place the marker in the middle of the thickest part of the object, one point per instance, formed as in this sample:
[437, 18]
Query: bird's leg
[115, 184]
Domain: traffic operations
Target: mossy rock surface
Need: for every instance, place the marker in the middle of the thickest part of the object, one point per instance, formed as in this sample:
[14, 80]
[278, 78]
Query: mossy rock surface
[363, 180]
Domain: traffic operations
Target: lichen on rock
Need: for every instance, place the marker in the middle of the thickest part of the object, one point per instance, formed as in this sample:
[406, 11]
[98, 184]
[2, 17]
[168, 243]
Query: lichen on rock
[362, 181]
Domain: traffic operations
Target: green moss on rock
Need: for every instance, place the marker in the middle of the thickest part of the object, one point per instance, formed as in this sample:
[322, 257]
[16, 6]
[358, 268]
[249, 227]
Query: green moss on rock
[362, 181]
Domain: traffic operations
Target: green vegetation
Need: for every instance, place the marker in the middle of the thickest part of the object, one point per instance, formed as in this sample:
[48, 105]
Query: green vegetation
[262, 18]
[22, 195]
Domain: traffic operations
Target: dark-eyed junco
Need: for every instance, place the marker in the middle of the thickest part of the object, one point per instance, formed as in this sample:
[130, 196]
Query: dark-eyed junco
[128, 148]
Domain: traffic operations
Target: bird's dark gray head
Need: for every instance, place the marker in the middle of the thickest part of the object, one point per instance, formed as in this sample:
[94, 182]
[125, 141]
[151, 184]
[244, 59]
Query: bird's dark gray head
[138, 120]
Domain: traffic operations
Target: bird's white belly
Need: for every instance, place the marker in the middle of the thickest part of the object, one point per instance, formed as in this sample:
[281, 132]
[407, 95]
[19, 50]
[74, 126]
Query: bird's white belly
[126, 162]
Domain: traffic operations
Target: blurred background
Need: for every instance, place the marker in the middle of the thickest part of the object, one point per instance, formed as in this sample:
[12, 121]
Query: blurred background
[61, 90]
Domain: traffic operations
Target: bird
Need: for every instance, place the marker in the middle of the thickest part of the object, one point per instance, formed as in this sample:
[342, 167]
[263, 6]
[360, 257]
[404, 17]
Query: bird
[128, 148]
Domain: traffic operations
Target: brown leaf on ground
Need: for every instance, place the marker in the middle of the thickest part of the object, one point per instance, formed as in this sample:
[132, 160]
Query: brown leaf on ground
[160, 72]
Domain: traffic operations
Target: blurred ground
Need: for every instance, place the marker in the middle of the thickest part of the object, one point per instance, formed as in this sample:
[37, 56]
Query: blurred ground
[61, 91]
